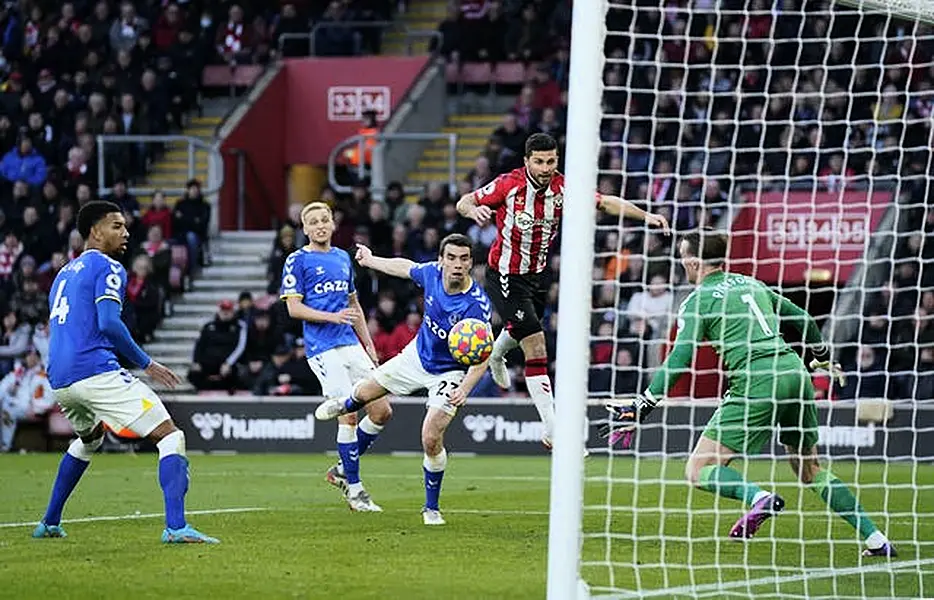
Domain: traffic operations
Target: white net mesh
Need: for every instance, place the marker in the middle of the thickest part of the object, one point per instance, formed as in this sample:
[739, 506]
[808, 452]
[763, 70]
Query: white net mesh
[804, 129]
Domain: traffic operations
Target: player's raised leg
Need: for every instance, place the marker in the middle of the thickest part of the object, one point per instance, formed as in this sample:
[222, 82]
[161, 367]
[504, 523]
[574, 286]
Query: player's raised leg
[503, 345]
[434, 463]
[365, 392]
[538, 382]
[838, 497]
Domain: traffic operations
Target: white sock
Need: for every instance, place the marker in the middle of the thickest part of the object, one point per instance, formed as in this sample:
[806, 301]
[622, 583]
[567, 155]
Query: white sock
[876, 539]
[354, 488]
[368, 426]
[540, 390]
[503, 344]
[760, 496]
[174, 443]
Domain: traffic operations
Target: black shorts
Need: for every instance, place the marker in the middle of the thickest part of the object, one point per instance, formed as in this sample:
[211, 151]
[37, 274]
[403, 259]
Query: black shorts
[519, 300]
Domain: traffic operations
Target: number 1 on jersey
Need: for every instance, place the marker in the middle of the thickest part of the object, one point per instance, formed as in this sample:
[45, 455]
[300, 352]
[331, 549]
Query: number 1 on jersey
[748, 299]
[59, 305]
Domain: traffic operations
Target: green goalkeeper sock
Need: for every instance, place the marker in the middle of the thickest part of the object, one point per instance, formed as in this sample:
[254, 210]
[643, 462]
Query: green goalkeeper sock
[842, 501]
[728, 483]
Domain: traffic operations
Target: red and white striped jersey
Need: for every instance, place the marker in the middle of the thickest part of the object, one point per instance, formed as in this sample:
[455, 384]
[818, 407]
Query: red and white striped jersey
[526, 219]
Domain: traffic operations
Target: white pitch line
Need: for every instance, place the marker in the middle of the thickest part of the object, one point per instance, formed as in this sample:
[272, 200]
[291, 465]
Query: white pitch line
[752, 583]
[291, 475]
[213, 511]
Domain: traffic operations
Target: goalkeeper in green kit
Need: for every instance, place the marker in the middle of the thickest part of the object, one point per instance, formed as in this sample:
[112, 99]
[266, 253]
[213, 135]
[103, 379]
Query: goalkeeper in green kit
[769, 387]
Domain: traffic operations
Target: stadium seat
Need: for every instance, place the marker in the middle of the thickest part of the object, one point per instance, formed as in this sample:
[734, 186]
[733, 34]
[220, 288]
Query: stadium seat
[224, 76]
[509, 73]
[480, 73]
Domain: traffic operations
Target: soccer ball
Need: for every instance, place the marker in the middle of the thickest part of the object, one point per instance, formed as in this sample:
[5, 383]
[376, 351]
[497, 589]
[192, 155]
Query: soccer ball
[470, 342]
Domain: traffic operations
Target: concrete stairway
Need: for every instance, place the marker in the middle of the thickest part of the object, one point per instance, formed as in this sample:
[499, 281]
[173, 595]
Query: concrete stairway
[421, 15]
[239, 263]
[473, 132]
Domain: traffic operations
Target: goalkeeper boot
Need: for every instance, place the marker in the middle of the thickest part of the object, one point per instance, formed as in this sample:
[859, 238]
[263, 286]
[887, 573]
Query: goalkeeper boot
[336, 478]
[883, 550]
[187, 535]
[500, 373]
[761, 511]
[431, 516]
[48, 531]
[362, 502]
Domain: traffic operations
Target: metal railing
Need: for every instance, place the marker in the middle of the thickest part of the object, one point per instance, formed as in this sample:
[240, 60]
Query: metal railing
[410, 35]
[210, 185]
[376, 170]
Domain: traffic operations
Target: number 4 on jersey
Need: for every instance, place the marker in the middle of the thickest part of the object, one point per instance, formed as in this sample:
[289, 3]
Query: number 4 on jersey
[59, 305]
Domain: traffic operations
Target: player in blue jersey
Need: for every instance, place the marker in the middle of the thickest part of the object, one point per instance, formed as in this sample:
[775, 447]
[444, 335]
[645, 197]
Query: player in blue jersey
[88, 382]
[426, 363]
[318, 288]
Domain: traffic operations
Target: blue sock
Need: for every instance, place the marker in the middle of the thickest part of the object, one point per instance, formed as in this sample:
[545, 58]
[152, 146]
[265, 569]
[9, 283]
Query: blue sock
[432, 488]
[70, 470]
[367, 432]
[350, 459]
[173, 478]
[351, 405]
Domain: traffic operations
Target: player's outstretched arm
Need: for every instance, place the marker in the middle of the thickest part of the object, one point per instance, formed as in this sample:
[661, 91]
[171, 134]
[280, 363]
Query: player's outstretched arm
[395, 267]
[471, 379]
[614, 205]
[297, 310]
[467, 207]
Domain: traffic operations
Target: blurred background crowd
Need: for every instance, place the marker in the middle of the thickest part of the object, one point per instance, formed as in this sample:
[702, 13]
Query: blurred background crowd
[703, 103]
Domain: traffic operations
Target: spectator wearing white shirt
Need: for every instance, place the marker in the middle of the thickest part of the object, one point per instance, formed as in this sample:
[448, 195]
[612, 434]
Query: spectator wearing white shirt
[653, 305]
[24, 393]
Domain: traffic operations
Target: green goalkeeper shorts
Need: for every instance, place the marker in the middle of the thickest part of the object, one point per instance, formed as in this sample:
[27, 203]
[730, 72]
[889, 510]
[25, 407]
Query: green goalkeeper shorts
[745, 423]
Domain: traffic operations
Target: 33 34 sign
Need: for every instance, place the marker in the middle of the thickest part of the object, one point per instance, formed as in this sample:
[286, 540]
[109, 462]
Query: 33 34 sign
[348, 103]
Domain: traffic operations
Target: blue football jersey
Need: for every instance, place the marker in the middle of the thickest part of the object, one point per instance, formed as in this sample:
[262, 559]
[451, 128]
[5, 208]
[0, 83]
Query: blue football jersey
[443, 311]
[324, 281]
[77, 348]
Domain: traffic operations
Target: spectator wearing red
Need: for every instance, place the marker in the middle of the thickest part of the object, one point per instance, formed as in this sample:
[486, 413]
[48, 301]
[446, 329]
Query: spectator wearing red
[143, 294]
[9, 254]
[402, 334]
[234, 39]
[159, 214]
[47, 272]
[547, 91]
[167, 26]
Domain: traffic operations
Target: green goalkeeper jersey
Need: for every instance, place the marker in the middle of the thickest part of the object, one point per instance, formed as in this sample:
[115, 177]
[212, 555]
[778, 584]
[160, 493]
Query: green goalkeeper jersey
[740, 317]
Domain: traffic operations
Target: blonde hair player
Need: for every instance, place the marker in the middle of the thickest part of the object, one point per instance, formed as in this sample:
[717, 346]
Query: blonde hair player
[318, 289]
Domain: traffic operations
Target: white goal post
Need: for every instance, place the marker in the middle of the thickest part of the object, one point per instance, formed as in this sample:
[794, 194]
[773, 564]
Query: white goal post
[826, 159]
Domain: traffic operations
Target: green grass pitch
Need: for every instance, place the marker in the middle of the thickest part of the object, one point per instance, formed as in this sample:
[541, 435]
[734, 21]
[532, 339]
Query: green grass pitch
[299, 541]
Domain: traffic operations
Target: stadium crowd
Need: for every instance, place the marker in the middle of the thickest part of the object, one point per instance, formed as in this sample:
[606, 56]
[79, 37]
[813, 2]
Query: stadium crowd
[68, 72]
[698, 111]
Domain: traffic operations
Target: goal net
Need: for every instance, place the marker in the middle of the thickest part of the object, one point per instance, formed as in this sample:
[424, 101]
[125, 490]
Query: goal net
[804, 129]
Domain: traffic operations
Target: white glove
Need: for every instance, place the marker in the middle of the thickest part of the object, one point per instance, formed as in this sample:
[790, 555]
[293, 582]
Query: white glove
[831, 368]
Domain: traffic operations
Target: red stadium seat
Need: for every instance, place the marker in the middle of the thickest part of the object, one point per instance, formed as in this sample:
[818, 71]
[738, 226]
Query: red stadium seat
[476, 73]
[452, 72]
[509, 73]
[224, 76]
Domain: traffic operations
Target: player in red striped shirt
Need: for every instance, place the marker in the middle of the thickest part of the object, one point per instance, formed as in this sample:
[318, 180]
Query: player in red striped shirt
[527, 205]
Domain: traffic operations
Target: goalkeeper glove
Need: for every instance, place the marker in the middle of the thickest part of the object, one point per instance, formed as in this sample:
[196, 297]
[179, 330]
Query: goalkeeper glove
[823, 362]
[624, 416]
